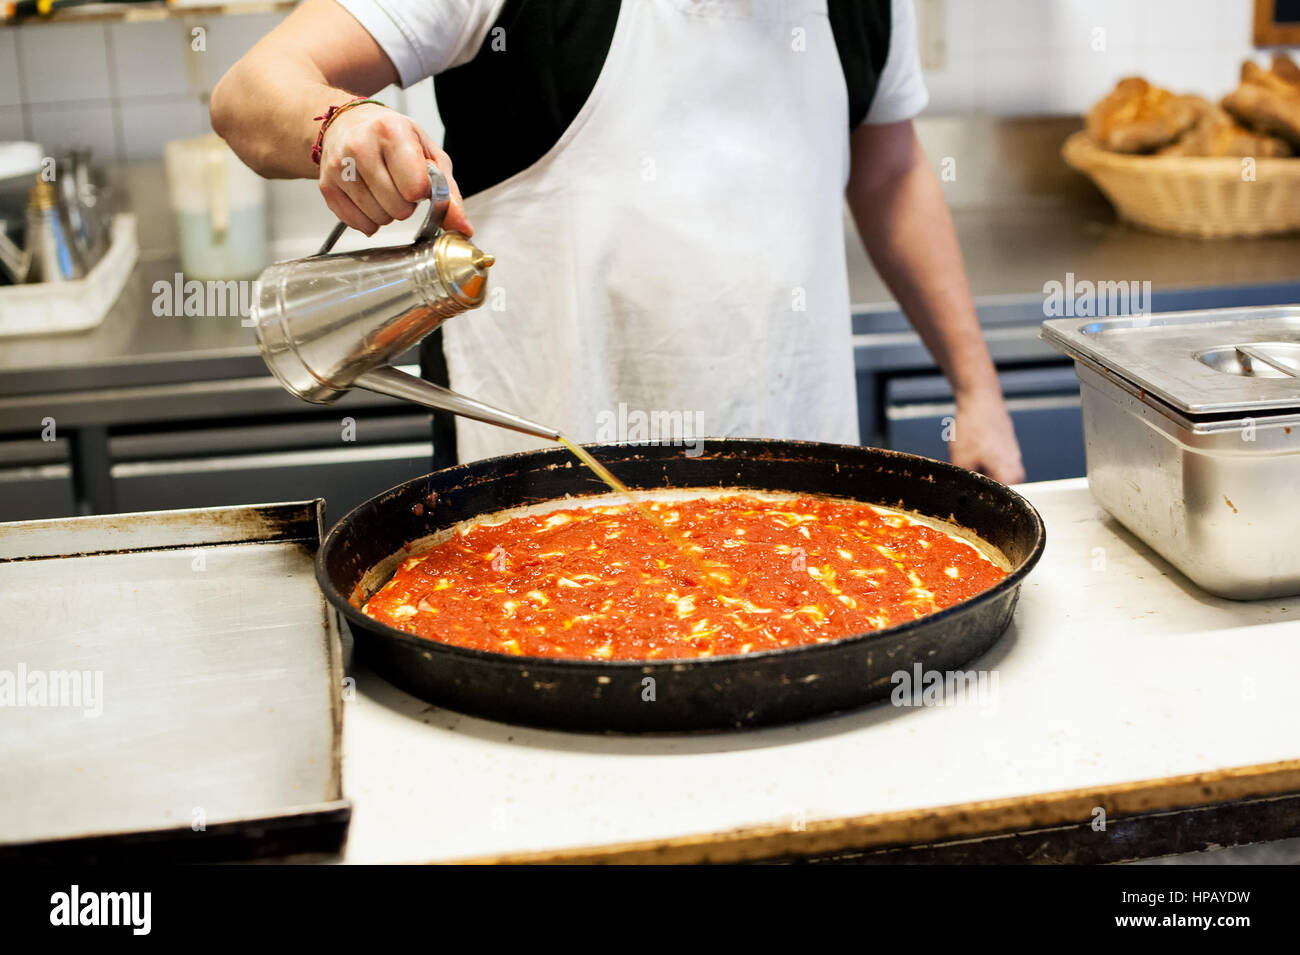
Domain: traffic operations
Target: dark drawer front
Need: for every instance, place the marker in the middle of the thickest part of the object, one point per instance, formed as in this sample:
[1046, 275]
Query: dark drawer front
[32, 493]
[344, 477]
[35, 480]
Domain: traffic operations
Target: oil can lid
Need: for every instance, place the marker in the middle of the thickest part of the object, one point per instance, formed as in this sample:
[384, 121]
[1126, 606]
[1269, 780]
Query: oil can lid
[462, 268]
[1213, 362]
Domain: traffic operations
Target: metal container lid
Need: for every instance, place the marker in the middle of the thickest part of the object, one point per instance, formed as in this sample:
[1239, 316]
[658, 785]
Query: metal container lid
[1219, 361]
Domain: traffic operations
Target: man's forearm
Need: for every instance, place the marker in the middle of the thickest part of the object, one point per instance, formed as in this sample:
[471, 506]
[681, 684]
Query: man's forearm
[267, 120]
[908, 233]
[264, 107]
[905, 226]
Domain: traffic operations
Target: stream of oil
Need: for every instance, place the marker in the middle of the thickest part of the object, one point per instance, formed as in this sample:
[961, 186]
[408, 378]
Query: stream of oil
[676, 539]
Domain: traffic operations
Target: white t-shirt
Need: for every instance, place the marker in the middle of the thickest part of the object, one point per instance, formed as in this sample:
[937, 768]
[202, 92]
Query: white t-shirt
[900, 91]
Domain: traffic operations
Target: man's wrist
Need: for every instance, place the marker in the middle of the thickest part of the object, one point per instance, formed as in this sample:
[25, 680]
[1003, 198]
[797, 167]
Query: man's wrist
[978, 394]
[328, 118]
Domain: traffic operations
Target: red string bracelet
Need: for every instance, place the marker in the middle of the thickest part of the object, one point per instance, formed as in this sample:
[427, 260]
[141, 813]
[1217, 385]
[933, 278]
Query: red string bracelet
[328, 118]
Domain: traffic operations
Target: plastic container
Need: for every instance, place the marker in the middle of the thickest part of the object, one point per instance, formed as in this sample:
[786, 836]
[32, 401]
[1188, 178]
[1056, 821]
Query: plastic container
[220, 208]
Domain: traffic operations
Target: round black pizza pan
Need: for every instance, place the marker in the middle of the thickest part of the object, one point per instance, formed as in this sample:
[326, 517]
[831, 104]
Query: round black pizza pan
[754, 689]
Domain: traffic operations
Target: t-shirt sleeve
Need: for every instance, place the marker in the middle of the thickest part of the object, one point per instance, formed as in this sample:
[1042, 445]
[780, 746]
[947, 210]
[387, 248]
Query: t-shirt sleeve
[900, 91]
[425, 37]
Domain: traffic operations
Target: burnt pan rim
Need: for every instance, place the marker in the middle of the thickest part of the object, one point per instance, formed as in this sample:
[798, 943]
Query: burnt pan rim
[1007, 586]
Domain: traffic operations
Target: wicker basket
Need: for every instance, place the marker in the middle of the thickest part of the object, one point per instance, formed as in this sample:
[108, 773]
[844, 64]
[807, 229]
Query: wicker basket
[1207, 197]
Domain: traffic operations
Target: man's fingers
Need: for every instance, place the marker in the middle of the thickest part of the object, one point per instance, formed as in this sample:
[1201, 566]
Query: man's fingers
[392, 151]
[1002, 467]
[1011, 473]
[1005, 475]
[457, 220]
[407, 165]
[361, 196]
[348, 167]
[346, 209]
[386, 193]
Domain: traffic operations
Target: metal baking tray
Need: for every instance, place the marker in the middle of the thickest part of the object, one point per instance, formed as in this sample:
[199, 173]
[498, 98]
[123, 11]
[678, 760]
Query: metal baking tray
[193, 679]
[1193, 441]
[1215, 361]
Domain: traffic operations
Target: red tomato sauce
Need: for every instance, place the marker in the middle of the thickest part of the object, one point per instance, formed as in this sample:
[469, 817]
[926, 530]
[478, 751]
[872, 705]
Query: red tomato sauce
[603, 583]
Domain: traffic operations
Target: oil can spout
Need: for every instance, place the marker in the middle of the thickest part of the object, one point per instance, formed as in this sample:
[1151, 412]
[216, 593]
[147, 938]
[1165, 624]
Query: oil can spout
[398, 384]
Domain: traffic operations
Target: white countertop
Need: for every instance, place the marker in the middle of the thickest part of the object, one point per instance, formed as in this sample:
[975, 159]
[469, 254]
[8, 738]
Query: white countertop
[1114, 669]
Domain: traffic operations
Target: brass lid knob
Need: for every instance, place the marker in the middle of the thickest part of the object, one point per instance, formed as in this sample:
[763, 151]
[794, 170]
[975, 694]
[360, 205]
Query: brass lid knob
[463, 268]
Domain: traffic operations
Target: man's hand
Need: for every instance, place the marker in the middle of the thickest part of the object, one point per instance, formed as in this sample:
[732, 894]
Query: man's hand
[984, 439]
[373, 169]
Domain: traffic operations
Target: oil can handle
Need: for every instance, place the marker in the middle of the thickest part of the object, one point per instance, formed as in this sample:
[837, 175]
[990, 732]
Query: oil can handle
[439, 201]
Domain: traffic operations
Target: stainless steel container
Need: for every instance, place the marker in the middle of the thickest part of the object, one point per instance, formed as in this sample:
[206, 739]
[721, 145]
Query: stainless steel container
[1192, 431]
[51, 253]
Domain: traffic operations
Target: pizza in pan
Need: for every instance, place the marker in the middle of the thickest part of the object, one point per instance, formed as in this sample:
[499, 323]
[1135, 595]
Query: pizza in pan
[735, 574]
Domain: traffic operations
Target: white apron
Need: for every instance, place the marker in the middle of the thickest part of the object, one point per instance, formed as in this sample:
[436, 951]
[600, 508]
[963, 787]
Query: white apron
[677, 257]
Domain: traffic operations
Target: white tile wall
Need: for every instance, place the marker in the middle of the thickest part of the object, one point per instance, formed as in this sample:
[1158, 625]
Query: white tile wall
[10, 86]
[229, 38]
[1025, 57]
[1012, 26]
[13, 123]
[91, 123]
[149, 59]
[149, 122]
[64, 63]
[123, 89]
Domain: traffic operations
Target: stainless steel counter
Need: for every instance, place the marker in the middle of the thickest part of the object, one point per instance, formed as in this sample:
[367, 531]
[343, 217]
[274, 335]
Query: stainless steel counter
[1011, 251]
[132, 347]
[141, 366]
